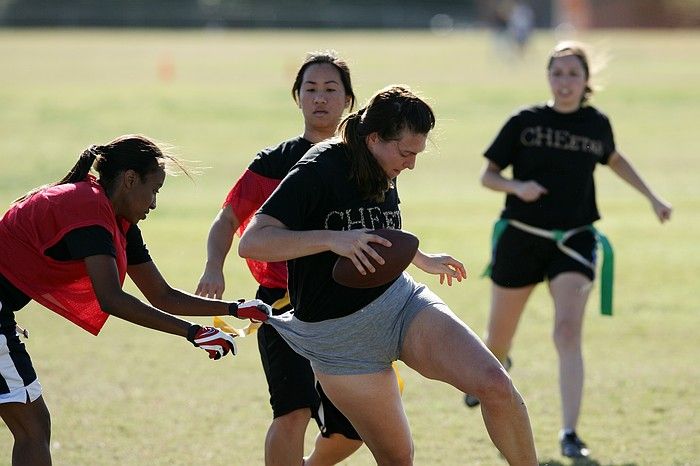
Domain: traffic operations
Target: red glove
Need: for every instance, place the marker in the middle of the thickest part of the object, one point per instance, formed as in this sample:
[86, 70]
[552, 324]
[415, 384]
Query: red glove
[255, 310]
[212, 340]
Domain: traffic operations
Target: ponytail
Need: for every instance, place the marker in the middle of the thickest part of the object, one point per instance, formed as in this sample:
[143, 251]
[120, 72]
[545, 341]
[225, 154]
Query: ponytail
[365, 171]
[79, 172]
[82, 167]
[129, 152]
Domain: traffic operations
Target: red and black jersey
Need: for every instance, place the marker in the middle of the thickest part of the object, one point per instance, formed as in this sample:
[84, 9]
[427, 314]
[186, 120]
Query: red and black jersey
[33, 226]
[251, 190]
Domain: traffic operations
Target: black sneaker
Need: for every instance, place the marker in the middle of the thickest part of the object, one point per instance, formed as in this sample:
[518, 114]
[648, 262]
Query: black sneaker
[573, 447]
[471, 401]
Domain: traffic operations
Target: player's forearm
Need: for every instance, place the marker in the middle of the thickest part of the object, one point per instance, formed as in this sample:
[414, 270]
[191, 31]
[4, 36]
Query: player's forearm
[181, 303]
[273, 243]
[419, 259]
[497, 182]
[133, 310]
[219, 243]
[624, 169]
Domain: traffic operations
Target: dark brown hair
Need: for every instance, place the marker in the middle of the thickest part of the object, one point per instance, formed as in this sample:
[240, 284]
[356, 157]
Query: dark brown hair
[389, 112]
[330, 57]
[128, 152]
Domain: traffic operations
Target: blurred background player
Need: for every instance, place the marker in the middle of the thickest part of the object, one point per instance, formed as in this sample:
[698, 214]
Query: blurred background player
[521, 22]
[323, 90]
[69, 246]
[553, 150]
[512, 23]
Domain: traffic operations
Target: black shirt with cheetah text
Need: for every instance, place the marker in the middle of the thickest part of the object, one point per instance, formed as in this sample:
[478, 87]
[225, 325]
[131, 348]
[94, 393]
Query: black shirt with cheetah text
[317, 194]
[560, 152]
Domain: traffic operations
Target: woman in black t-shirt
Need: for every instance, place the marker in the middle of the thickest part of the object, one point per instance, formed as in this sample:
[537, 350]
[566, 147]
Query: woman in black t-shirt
[553, 150]
[326, 207]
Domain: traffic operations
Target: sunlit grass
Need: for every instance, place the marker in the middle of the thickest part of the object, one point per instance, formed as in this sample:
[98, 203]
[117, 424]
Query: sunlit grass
[132, 396]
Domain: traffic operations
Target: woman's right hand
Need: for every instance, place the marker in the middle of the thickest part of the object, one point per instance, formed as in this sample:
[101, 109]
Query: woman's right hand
[529, 191]
[211, 284]
[355, 245]
[212, 340]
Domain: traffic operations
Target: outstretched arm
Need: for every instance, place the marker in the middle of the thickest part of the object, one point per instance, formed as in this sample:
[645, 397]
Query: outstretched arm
[212, 283]
[619, 164]
[440, 264]
[102, 270]
[160, 294]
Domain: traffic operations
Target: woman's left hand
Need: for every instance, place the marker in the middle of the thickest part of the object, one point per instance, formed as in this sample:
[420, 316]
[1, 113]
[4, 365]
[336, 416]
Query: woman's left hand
[662, 209]
[441, 264]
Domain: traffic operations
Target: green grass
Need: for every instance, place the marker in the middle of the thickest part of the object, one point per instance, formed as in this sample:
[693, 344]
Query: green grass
[138, 397]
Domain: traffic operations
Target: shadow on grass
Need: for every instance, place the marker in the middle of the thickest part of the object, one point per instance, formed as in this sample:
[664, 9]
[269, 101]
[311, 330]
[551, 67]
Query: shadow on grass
[581, 462]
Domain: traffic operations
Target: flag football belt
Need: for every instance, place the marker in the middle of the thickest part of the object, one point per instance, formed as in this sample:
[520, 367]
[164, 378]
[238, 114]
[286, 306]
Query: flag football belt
[253, 327]
[560, 237]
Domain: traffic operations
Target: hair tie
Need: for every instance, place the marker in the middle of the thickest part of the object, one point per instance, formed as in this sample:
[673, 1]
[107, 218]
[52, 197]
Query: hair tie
[93, 151]
[361, 114]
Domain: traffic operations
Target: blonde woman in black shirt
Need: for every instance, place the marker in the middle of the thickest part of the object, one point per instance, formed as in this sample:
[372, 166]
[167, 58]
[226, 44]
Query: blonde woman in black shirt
[545, 231]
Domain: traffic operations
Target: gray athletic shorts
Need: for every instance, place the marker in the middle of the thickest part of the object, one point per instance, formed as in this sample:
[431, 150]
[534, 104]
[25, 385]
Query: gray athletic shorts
[364, 342]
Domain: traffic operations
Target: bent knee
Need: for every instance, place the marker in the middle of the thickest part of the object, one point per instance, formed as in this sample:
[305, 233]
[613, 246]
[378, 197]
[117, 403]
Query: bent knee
[396, 457]
[34, 428]
[293, 419]
[496, 385]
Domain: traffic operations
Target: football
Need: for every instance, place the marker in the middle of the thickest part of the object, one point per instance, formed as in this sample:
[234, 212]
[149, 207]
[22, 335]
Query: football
[396, 258]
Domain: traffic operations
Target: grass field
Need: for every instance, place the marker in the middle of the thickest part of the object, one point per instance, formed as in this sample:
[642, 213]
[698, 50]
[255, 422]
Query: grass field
[138, 397]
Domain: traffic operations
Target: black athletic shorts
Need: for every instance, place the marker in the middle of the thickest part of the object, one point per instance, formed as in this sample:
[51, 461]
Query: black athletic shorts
[291, 381]
[18, 379]
[523, 259]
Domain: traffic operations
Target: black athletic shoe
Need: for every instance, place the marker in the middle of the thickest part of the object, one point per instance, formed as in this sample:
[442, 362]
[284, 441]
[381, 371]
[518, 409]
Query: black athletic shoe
[573, 447]
[471, 401]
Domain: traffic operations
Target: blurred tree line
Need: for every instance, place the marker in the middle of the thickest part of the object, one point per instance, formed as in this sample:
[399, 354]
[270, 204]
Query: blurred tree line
[333, 13]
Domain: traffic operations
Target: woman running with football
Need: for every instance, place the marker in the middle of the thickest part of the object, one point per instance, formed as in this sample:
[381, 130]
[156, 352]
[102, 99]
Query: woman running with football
[69, 246]
[325, 208]
[545, 229]
[323, 90]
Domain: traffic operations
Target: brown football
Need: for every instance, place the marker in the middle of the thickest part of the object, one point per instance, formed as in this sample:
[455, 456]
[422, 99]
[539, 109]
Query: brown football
[396, 258]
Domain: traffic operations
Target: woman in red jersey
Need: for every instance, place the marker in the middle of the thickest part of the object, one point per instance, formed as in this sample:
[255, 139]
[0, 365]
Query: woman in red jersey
[69, 246]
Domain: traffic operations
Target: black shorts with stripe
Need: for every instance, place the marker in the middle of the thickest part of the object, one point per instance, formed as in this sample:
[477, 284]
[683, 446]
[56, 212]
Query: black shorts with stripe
[523, 259]
[291, 380]
[16, 370]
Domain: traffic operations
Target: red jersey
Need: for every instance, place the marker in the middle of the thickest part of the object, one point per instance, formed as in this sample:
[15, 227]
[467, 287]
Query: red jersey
[253, 188]
[35, 224]
[245, 198]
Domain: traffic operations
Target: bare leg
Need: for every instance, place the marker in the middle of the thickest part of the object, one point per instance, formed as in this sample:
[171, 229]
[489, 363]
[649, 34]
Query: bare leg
[507, 306]
[284, 443]
[373, 404]
[30, 424]
[570, 293]
[332, 450]
[442, 347]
